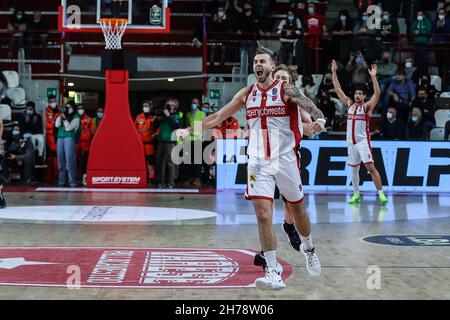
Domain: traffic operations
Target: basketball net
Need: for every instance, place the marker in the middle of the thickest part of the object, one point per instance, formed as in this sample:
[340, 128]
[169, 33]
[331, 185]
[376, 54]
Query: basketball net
[113, 30]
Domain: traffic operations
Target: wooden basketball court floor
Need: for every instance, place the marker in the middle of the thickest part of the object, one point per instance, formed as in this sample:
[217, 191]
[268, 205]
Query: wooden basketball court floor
[405, 272]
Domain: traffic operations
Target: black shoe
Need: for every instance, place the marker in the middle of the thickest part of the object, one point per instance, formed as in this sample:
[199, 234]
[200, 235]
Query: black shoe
[161, 186]
[259, 260]
[2, 200]
[292, 235]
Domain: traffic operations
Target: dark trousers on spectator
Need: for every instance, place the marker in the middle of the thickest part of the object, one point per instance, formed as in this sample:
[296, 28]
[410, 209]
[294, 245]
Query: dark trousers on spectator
[217, 53]
[165, 164]
[287, 53]
[27, 167]
[42, 40]
[15, 39]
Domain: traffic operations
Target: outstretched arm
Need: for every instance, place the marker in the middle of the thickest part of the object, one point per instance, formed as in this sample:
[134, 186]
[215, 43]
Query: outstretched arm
[337, 86]
[372, 103]
[218, 117]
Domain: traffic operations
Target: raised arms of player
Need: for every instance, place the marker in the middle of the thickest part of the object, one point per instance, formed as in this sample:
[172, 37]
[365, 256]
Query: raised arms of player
[218, 117]
[337, 86]
[372, 103]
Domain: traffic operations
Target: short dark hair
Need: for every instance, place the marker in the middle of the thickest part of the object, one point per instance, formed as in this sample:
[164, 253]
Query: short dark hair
[31, 104]
[52, 96]
[264, 51]
[360, 87]
[401, 71]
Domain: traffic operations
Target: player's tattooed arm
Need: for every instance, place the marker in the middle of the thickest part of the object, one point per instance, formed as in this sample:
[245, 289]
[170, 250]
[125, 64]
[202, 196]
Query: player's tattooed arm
[295, 95]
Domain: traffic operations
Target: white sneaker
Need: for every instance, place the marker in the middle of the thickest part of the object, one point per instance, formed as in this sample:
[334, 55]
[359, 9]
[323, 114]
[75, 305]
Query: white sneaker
[272, 281]
[312, 261]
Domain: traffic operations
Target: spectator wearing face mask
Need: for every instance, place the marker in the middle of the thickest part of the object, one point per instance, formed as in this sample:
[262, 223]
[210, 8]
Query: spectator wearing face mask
[167, 123]
[85, 135]
[218, 29]
[357, 66]
[67, 123]
[51, 113]
[32, 127]
[16, 27]
[342, 35]
[415, 129]
[400, 94]
[248, 29]
[421, 28]
[427, 107]
[411, 71]
[364, 38]
[441, 39]
[386, 72]
[290, 31]
[99, 116]
[314, 29]
[388, 32]
[194, 117]
[20, 152]
[392, 127]
[144, 126]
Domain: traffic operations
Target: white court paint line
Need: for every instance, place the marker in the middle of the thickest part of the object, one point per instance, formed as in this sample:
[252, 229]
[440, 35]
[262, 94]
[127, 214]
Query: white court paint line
[117, 190]
[102, 214]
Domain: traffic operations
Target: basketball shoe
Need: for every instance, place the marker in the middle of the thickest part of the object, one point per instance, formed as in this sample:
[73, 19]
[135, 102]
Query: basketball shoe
[312, 261]
[292, 235]
[260, 260]
[2, 200]
[272, 280]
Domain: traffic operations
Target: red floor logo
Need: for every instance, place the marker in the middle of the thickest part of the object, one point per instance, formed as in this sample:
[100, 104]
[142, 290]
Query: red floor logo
[130, 267]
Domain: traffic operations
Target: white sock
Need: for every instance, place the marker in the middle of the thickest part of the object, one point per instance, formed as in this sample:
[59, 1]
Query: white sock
[307, 242]
[271, 258]
[355, 179]
[380, 193]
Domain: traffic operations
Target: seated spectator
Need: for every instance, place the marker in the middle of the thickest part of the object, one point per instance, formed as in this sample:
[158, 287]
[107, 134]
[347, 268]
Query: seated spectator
[415, 129]
[392, 127]
[386, 72]
[248, 29]
[309, 88]
[16, 27]
[411, 71]
[421, 27]
[168, 122]
[400, 94]
[364, 38]
[357, 66]
[429, 7]
[388, 32]
[37, 30]
[290, 31]
[20, 151]
[32, 127]
[342, 35]
[427, 107]
[424, 81]
[98, 118]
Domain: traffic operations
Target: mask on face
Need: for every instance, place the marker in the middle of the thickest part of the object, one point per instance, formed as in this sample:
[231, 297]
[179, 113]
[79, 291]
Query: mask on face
[53, 105]
[408, 65]
[194, 106]
[386, 18]
[290, 18]
[221, 14]
[70, 110]
[311, 10]
[146, 109]
[80, 112]
[441, 17]
[365, 18]
[205, 110]
[414, 119]
[30, 112]
[15, 133]
[343, 18]
[99, 115]
[358, 60]
[19, 16]
[389, 116]
[420, 18]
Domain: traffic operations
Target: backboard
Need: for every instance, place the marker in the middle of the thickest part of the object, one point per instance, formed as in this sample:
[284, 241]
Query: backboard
[144, 16]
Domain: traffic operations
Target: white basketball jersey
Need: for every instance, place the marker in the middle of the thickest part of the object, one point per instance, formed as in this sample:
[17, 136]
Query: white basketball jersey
[274, 126]
[357, 124]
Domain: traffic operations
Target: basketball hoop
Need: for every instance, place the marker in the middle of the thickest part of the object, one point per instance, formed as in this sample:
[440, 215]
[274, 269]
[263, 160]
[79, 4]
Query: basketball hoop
[113, 30]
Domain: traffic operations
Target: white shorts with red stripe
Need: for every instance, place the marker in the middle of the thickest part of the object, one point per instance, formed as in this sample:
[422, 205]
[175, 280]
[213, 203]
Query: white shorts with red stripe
[283, 171]
[359, 152]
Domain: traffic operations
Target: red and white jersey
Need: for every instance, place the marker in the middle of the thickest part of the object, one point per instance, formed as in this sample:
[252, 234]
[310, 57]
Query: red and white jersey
[274, 126]
[357, 124]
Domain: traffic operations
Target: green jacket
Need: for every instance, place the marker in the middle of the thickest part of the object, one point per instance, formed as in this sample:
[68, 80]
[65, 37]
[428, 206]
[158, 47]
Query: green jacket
[423, 29]
[68, 129]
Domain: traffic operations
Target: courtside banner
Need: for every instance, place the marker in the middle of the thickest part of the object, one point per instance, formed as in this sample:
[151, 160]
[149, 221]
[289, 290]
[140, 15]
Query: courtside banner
[403, 165]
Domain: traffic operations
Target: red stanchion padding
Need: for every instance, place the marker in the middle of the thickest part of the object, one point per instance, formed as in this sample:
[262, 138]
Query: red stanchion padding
[116, 157]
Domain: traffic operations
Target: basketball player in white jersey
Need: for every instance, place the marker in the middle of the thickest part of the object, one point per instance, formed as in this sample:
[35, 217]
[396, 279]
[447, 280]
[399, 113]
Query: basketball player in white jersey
[358, 137]
[273, 126]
